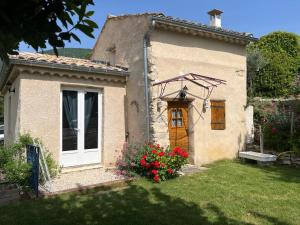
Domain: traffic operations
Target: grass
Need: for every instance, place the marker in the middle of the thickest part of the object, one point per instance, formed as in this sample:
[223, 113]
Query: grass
[228, 193]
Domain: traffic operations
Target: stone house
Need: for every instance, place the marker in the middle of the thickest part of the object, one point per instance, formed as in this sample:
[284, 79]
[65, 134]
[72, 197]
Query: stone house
[150, 78]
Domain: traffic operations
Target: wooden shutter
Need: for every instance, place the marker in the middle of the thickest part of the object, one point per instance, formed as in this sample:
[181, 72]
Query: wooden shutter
[217, 115]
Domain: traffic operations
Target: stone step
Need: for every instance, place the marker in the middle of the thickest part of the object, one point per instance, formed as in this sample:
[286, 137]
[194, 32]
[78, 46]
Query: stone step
[191, 169]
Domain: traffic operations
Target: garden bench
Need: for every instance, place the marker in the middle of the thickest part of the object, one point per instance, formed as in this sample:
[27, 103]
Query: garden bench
[261, 158]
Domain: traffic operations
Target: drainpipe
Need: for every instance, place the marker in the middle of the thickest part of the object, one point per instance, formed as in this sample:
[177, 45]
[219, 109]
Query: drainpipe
[146, 89]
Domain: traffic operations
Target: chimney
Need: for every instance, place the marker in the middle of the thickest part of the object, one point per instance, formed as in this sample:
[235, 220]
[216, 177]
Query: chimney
[215, 18]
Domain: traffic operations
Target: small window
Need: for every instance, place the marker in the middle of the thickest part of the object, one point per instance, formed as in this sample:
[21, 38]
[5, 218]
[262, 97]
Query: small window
[218, 115]
[177, 120]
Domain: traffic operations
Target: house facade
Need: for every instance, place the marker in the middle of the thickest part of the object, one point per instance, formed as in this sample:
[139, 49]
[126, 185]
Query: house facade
[150, 78]
[75, 106]
[157, 48]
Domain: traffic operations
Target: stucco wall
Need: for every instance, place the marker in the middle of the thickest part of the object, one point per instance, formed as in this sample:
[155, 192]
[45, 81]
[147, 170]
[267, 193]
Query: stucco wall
[127, 35]
[40, 111]
[12, 112]
[172, 54]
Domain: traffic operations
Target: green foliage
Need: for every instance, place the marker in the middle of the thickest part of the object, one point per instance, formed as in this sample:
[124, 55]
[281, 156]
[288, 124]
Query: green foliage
[273, 63]
[276, 121]
[228, 193]
[81, 53]
[153, 161]
[37, 22]
[279, 42]
[13, 161]
[277, 77]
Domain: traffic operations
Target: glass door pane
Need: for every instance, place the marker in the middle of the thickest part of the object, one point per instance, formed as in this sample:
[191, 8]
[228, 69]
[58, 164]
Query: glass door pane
[91, 120]
[70, 121]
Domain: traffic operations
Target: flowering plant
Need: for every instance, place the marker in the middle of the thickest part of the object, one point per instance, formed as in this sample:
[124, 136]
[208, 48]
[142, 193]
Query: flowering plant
[158, 163]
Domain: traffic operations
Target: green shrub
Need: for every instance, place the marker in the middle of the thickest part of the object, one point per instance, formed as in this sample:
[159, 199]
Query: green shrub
[153, 162]
[13, 162]
[272, 65]
[275, 119]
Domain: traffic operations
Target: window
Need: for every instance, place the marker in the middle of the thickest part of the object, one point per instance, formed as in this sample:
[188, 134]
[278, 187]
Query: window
[177, 120]
[217, 114]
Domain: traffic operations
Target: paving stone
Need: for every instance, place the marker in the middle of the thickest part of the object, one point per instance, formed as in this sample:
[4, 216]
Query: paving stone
[81, 179]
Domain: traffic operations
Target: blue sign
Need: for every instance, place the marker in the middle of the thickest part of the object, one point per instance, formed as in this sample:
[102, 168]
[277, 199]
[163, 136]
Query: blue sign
[33, 154]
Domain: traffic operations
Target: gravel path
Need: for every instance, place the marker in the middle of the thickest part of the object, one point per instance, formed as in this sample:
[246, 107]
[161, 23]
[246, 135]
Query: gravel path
[80, 179]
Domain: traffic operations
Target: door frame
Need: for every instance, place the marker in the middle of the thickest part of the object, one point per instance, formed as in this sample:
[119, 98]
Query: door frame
[80, 141]
[187, 102]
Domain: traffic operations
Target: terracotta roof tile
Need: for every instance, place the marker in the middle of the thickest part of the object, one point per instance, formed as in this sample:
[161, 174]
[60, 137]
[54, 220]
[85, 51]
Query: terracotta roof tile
[29, 58]
[203, 26]
[174, 20]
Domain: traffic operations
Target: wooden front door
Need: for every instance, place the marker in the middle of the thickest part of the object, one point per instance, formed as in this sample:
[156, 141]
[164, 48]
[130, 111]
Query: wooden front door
[178, 124]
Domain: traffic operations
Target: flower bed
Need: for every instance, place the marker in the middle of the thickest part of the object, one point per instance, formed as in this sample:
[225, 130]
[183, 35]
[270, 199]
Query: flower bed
[154, 162]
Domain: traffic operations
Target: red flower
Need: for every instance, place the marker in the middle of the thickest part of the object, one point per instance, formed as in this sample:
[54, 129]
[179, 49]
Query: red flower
[154, 172]
[145, 156]
[154, 152]
[185, 154]
[170, 171]
[161, 154]
[171, 154]
[147, 166]
[157, 146]
[156, 178]
[143, 162]
[156, 164]
[176, 150]
[162, 165]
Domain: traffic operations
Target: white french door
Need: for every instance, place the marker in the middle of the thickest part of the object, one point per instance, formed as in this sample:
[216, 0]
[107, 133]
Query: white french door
[81, 113]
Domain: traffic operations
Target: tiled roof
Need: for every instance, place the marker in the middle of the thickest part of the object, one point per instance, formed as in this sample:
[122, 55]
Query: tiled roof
[53, 61]
[162, 17]
[111, 16]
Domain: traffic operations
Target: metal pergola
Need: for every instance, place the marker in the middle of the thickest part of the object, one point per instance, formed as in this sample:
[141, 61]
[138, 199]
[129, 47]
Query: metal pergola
[208, 83]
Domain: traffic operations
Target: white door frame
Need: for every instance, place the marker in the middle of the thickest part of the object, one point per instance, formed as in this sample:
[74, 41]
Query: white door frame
[81, 156]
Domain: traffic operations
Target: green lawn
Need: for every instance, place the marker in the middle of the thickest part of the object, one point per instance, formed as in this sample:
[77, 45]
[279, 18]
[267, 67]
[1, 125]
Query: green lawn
[227, 193]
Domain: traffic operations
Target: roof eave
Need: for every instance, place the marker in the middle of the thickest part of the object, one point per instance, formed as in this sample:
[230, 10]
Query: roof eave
[201, 28]
[96, 71]
[69, 67]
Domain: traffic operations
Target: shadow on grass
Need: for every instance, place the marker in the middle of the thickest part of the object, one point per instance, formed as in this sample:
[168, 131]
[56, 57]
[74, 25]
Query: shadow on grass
[270, 219]
[280, 172]
[133, 205]
[284, 173]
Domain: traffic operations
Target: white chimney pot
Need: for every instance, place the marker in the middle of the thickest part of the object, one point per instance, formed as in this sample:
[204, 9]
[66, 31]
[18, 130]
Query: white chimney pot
[215, 18]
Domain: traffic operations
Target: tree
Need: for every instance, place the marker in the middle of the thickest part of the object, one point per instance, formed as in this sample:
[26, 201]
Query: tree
[273, 64]
[255, 61]
[37, 22]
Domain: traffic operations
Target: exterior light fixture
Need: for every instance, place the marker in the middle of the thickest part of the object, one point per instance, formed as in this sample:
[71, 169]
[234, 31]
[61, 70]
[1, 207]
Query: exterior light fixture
[205, 104]
[183, 92]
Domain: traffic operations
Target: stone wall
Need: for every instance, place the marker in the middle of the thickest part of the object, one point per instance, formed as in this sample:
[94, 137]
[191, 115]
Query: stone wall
[172, 54]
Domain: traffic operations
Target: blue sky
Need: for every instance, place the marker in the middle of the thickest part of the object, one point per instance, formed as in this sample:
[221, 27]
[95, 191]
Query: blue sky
[255, 16]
